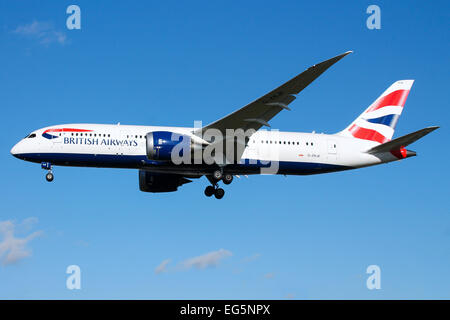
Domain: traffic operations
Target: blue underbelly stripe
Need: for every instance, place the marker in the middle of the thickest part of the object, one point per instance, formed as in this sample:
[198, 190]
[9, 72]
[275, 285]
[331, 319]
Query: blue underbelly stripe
[141, 161]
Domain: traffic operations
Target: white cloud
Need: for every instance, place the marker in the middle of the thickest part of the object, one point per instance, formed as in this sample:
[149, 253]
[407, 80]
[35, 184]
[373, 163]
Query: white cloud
[28, 223]
[12, 248]
[251, 258]
[162, 266]
[210, 259]
[43, 32]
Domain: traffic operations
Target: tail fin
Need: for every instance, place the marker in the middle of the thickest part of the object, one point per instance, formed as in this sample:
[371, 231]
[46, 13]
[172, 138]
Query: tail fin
[377, 122]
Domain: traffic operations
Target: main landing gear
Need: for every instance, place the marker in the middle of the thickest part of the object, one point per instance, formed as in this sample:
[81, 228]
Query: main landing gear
[227, 178]
[48, 166]
[214, 188]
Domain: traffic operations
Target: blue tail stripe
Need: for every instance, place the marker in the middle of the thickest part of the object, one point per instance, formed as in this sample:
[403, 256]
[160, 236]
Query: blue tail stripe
[389, 120]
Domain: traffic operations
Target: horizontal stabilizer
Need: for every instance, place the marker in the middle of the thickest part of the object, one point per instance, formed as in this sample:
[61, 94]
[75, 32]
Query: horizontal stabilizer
[402, 141]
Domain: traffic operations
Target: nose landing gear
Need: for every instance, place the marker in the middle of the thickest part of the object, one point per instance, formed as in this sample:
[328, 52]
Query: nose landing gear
[48, 166]
[49, 176]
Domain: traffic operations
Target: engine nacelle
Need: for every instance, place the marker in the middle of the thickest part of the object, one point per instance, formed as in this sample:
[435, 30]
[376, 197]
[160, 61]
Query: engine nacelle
[159, 182]
[164, 145]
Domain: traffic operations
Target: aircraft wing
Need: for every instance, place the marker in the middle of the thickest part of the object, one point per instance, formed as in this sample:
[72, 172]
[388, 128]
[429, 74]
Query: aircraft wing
[259, 112]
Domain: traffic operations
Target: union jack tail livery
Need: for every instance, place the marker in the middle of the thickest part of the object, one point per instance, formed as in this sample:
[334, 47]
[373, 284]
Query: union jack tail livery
[377, 122]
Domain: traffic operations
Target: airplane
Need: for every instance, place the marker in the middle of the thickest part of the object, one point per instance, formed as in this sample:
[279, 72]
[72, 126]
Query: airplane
[156, 150]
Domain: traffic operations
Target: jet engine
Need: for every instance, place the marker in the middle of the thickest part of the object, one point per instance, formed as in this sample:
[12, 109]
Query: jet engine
[160, 182]
[166, 145]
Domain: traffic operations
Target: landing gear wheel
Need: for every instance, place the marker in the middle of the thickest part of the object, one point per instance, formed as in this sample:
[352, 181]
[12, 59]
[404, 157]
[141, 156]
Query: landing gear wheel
[209, 191]
[219, 193]
[227, 178]
[217, 175]
[49, 177]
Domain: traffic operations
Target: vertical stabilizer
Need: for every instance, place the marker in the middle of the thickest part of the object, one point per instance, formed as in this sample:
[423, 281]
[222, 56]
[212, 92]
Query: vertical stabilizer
[378, 121]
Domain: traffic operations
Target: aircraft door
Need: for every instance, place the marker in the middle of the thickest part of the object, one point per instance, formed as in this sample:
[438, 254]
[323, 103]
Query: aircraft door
[57, 141]
[332, 149]
[126, 139]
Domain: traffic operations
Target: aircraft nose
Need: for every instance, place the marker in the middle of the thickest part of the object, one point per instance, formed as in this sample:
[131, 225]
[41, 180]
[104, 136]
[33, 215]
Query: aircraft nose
[15, 150]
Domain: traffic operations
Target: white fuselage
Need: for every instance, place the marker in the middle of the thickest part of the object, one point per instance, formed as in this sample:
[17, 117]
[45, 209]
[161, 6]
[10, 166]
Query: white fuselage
[124, 146]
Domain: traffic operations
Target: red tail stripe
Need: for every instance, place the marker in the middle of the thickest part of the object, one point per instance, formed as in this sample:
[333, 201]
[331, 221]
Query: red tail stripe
[395, 98]
[367, 134]
[67, 130]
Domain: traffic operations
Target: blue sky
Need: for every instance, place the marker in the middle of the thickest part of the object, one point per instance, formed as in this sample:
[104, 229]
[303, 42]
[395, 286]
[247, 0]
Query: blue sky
[271, 237]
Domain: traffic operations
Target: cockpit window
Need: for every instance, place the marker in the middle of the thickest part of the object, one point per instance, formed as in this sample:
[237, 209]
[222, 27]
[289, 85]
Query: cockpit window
[33, 135]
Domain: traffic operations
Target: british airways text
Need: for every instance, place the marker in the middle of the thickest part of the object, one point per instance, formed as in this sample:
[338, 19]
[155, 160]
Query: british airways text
[101, 142]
